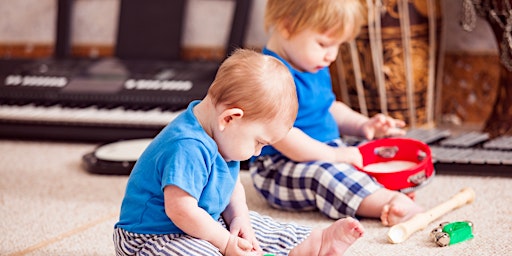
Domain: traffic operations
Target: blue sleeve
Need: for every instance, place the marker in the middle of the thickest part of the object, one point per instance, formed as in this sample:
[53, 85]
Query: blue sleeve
[186, 166]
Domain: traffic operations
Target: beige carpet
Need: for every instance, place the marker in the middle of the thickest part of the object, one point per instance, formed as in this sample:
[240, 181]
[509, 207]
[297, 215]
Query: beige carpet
[49, 205]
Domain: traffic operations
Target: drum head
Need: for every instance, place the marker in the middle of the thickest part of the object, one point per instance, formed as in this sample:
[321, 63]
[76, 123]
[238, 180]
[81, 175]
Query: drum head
[117, 158]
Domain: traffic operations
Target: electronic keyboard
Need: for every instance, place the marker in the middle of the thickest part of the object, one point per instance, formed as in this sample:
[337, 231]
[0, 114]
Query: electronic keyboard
[96, 100]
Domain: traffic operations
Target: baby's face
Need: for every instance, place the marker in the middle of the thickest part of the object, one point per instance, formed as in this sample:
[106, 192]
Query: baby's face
[310, 51]
[244, 139]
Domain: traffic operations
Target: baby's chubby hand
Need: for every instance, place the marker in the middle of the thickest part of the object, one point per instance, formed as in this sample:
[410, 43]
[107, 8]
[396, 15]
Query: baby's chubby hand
[381, 125]
[239, 246]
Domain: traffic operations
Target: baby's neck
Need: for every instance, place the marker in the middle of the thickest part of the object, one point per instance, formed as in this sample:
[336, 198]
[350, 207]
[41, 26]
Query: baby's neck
[274, 44]
[204, 112]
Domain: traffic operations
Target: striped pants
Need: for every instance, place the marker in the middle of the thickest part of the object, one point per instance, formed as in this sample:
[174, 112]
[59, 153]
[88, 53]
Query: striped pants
[336, 189]
[274, 237]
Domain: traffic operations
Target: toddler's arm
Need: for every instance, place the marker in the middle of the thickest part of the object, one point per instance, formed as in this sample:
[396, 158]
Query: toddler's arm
[354, 123]
[299, 147]
[349, 121]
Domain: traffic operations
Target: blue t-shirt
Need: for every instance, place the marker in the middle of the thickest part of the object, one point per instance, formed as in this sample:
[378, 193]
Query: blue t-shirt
[182, 154]
[315, 96]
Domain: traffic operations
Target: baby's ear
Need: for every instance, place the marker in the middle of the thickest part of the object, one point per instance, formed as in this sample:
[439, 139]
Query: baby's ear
[284, 29]
[229, 115]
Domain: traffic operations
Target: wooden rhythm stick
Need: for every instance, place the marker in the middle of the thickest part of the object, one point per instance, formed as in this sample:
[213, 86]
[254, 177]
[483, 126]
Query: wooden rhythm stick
[400, 232]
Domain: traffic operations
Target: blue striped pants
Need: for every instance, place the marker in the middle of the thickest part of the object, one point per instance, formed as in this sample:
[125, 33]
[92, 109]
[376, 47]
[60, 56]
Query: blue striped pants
[274, 237]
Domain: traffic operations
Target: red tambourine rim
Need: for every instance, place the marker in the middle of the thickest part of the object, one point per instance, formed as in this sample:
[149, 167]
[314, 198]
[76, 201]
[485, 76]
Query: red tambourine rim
[408, 150]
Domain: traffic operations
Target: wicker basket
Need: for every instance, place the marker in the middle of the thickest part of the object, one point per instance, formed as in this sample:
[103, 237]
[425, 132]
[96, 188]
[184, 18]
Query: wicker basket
[391, 66]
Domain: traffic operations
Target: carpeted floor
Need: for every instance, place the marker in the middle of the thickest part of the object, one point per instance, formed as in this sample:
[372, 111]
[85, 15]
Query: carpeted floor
[49, 205]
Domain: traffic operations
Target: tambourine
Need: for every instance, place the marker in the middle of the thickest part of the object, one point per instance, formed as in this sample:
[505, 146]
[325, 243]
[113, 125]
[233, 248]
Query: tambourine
[401, 164]
[117, 158]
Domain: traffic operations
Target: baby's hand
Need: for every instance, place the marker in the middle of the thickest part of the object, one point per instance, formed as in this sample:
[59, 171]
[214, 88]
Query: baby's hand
[239, 246]
[350, 155]
[241, 227]
[381, 125]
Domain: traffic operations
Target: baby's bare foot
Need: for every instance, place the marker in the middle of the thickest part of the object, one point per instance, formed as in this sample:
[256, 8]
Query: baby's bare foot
[338, 237]
[392, 214]
[399, 209]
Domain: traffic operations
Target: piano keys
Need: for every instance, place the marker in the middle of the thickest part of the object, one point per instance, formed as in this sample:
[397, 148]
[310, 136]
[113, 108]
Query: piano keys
[96, 100]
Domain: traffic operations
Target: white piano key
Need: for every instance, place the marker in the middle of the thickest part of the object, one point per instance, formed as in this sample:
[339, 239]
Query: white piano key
[92, 115]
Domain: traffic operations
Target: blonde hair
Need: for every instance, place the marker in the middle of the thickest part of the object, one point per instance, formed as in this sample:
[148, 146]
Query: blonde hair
[345, 17]
[260, 85]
